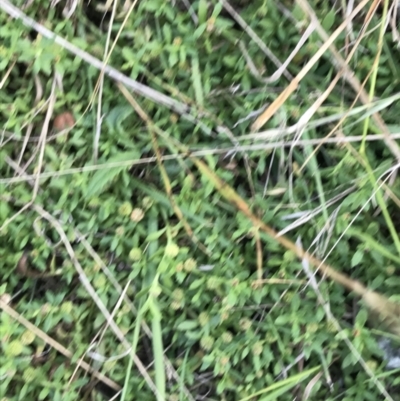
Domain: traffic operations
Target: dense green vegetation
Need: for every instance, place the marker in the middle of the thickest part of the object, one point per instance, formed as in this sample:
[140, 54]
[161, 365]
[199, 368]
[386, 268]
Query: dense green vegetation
[121, 247]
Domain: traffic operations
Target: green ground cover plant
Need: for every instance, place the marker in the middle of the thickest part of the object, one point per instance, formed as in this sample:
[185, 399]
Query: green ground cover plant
[198, 200]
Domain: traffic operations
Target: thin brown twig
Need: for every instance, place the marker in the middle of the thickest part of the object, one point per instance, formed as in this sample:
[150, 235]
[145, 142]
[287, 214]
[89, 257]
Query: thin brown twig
[167, 184]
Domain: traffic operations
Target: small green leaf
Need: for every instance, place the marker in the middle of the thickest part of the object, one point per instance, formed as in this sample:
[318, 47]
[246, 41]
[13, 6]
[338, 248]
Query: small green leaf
[103, 177]
[44, 393]
[196, 76]
[357, 258]
[329, 20]
[100, 180]
[283, 319]
[128, 54]
[155, 235]
[202, 14]
[187, 325]
[196, 284]
[362, 317]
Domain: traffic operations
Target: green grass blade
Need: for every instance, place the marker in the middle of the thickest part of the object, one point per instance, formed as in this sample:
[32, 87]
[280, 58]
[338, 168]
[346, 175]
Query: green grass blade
[282, 386]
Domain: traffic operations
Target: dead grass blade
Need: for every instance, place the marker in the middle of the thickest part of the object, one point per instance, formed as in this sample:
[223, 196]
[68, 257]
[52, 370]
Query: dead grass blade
[350, 77]
[164, 175]
[61, 349]
[111, 72]
[280, 100]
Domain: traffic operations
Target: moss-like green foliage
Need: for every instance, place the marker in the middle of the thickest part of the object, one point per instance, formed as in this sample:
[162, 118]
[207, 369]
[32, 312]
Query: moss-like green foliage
[114, 243]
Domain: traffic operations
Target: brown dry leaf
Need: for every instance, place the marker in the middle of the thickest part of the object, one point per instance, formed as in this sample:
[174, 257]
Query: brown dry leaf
[63, 121]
